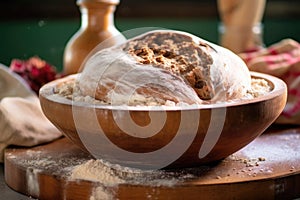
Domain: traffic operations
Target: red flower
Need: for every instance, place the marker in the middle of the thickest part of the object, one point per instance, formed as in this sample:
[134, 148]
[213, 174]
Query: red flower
[35, 71]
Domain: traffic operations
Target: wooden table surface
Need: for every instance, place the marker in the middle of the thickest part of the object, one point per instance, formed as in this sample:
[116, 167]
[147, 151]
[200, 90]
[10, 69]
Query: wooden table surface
[267, 168]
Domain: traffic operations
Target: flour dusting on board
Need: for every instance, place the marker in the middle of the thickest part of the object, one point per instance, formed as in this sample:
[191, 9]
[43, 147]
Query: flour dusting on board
[100, 193]
[110, 176]
[32, 181]
[95, 170]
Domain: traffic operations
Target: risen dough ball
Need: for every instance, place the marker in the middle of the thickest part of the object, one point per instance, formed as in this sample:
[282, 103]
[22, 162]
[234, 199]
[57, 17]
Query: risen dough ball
[164, 66]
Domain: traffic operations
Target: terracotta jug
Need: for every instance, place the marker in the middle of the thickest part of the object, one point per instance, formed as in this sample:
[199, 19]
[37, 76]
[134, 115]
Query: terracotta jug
[97, 25]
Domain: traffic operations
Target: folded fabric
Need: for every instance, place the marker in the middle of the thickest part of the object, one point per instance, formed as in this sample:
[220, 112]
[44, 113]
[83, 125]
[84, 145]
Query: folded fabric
[22, 121]
[12, 85]
[282, 60]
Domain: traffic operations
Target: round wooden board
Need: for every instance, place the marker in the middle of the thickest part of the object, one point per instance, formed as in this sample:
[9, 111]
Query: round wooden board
[268, 168]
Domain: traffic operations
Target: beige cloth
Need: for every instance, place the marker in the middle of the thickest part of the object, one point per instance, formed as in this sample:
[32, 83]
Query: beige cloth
[12, 85]
[22, 121]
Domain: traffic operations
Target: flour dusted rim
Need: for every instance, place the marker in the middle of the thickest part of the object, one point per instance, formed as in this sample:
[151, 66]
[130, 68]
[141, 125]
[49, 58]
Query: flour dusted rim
[277, 87]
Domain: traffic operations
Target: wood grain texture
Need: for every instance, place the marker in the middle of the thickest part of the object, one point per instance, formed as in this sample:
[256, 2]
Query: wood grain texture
[267, 168]
[234, 124]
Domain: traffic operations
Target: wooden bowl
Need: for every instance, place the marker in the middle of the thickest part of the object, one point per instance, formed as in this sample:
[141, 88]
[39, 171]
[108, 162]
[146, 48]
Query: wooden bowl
[163, 137]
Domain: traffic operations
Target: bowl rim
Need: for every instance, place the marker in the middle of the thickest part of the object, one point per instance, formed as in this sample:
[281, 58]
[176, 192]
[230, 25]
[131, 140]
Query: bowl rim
[279, 88]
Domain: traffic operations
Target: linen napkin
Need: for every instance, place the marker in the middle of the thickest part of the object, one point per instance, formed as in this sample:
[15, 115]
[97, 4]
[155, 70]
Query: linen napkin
[281, 59]
[22, 121]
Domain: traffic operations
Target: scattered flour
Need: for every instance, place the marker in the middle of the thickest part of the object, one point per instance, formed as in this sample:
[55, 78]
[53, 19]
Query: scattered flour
[71, 91]
[32, 181]
[112, 175]
[109, 176]
[95, 170]
[99, 193]
[259, 87]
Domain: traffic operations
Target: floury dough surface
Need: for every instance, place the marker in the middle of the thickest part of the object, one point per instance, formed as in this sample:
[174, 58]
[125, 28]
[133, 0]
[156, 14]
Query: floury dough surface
[165, 66]
[71, 91]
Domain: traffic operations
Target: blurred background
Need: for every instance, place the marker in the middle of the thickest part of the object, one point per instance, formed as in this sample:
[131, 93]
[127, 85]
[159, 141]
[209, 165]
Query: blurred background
[42, 28]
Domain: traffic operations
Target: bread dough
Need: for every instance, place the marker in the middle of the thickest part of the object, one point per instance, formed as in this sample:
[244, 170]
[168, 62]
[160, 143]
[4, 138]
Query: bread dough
[167, 66]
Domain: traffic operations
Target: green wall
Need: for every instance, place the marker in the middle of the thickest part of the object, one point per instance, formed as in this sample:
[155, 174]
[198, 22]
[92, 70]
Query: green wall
[23, 39]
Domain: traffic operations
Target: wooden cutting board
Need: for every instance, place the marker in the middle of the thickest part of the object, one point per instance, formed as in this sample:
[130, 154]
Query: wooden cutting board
[267, 168]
